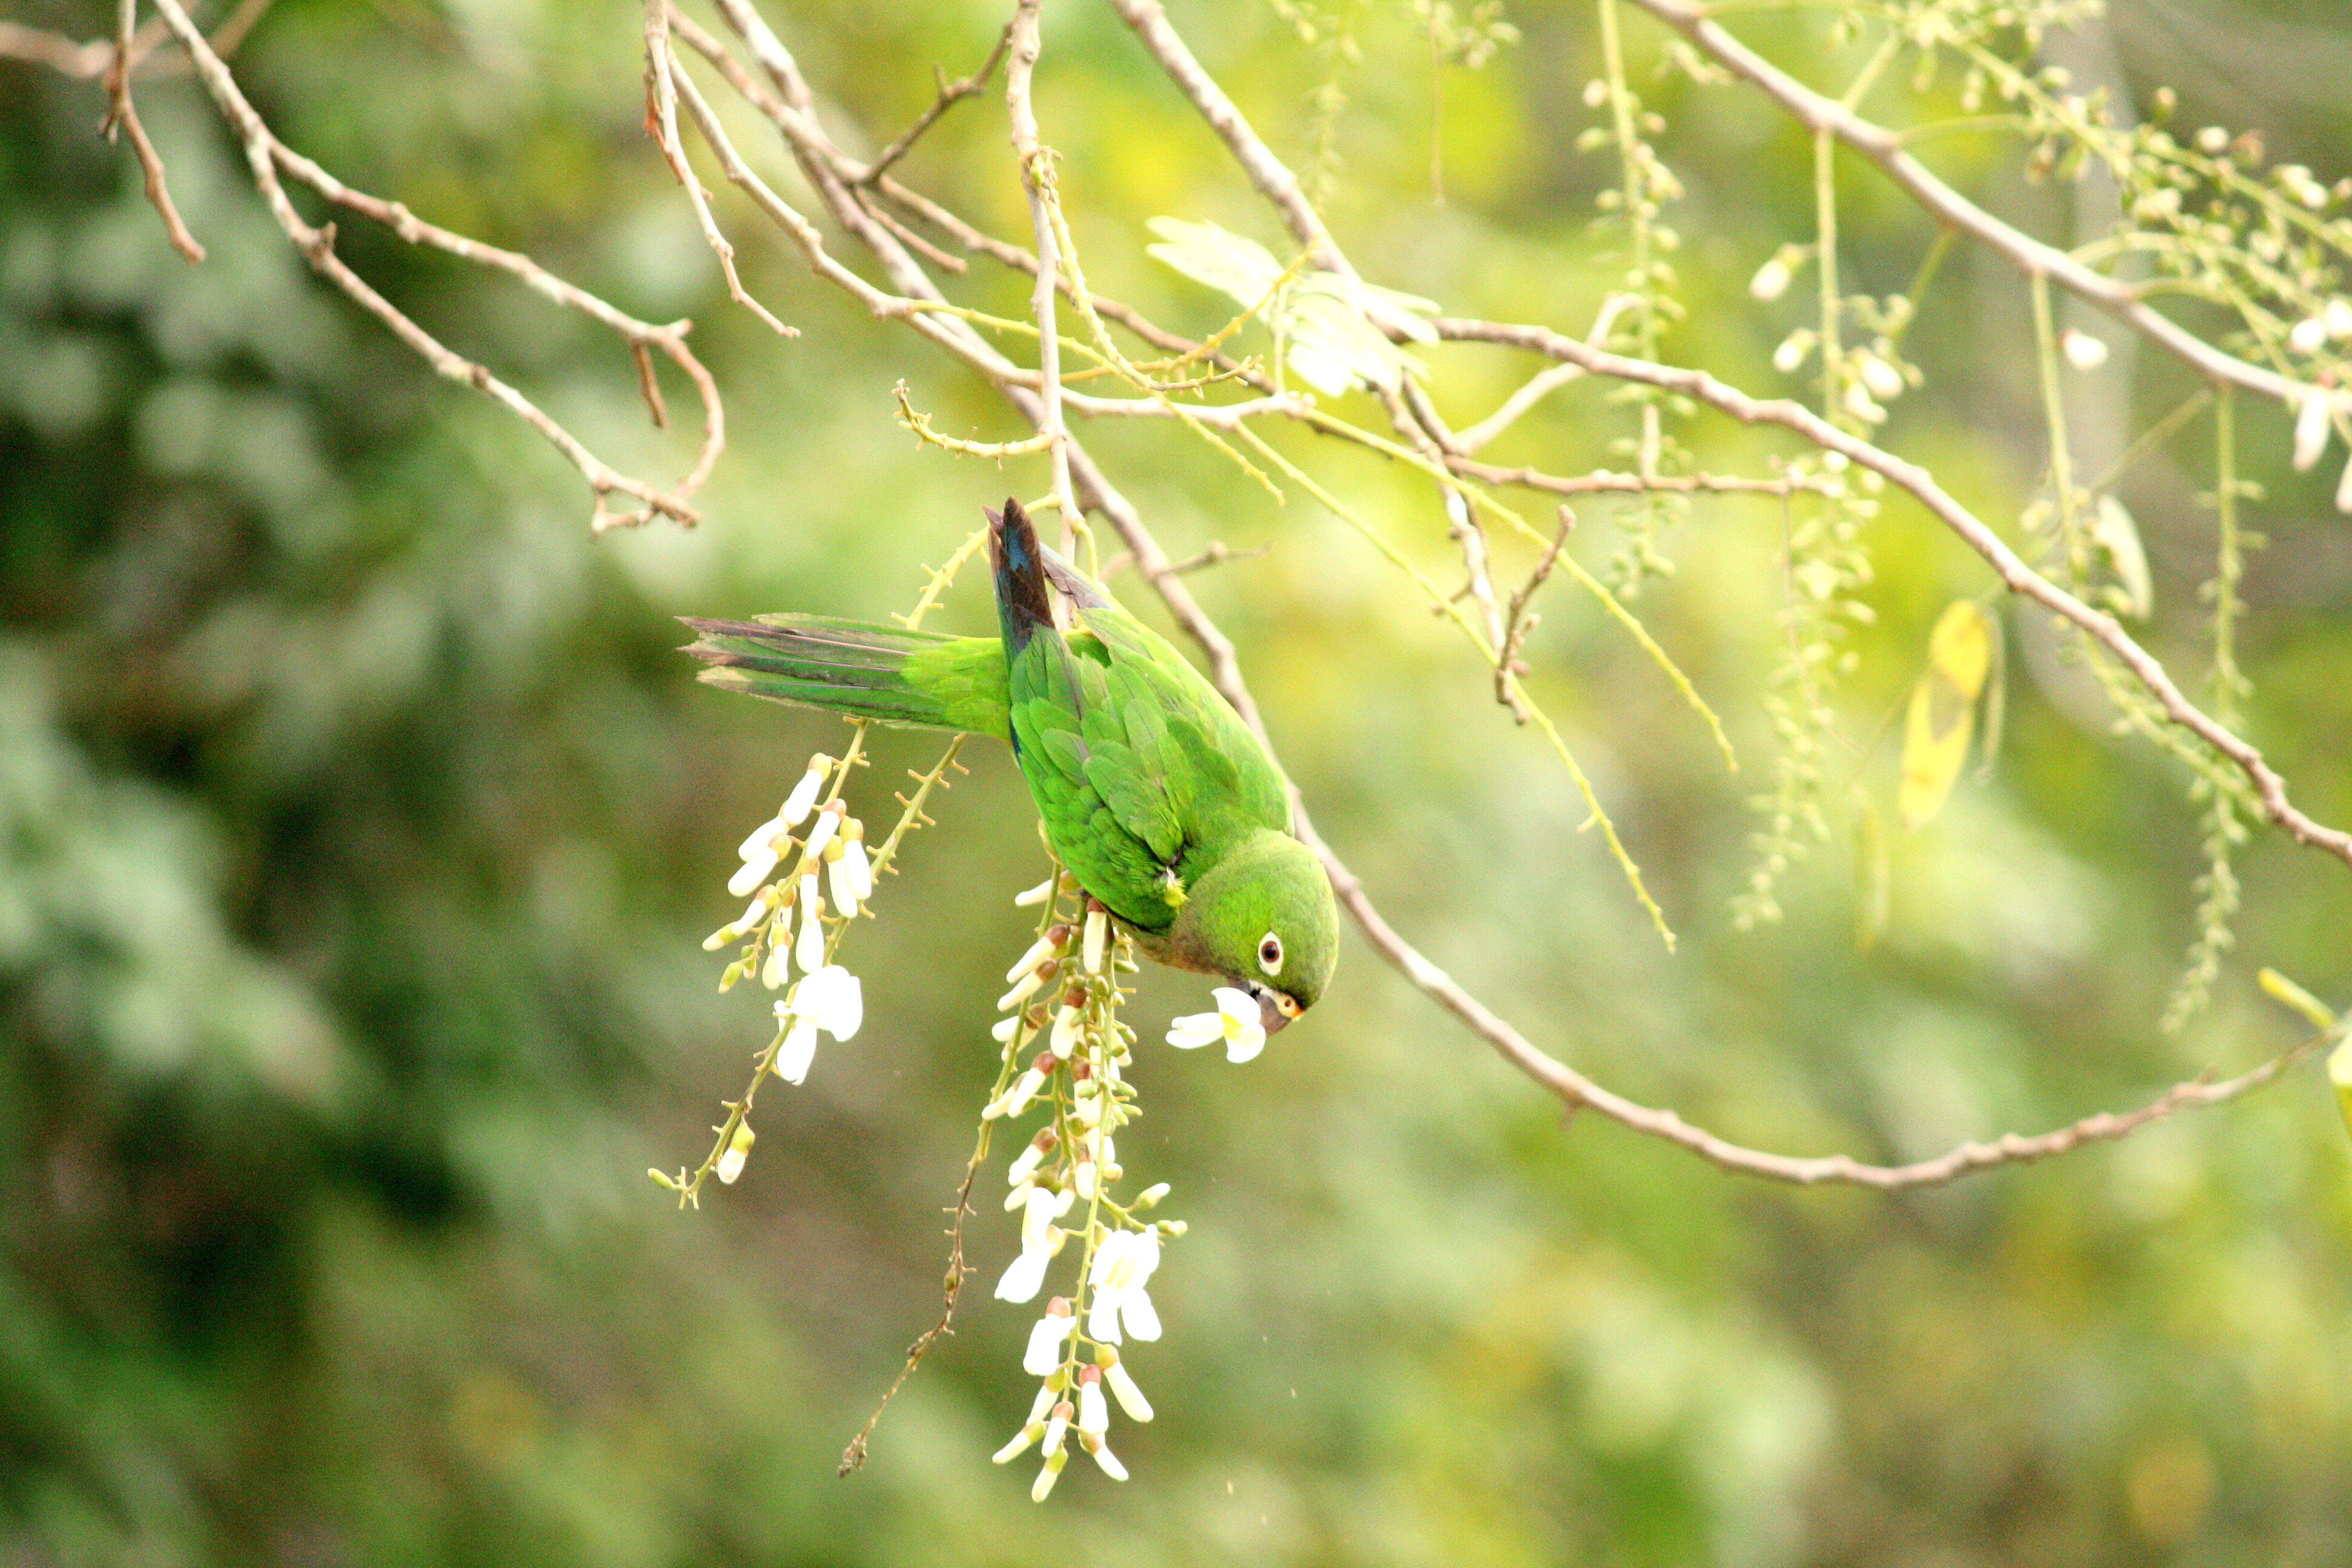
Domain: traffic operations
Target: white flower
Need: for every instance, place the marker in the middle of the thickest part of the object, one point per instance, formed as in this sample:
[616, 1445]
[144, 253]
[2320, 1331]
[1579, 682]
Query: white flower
[1054, 1460]
[1033, 896]
[820, 831]
[1097, 929]
[759, 856]
[1016, 1100]
[1883, 379]
[1122, 1386]
[779, 967]
[1793, 351]
[832, 998]
[1094, 1410]
[2083, 351]
[1023, 989]
[799, 1049]
[1023, 1276]
[1065, 1037]
[852, 875]
[1045, 1341]
[1772, 279]
[1031, 1429]
[796, 806]
[1237, 1022]
[2311, 428]
[1001, 1030]
[1025, 1164]
[829, 999]
[739, 1148]
[2307, 336]
[2338, 317]
[1123, 1266]
[811, 948]
[2212, 140]
[1042, 948]
[1104, 1458]
[1150, 1197]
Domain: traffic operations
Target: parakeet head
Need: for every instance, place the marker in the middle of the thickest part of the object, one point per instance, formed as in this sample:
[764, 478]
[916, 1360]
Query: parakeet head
[1263, 919]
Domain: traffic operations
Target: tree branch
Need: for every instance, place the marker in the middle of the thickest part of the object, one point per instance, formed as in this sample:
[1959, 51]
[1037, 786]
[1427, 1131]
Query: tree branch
[2030, 256]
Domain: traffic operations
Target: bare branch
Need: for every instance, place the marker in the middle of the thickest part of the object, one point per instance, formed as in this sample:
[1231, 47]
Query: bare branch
[950, 95]
[125, 114]
[2270, 789]
[662, 111]
[265, 155]
[2030, 256]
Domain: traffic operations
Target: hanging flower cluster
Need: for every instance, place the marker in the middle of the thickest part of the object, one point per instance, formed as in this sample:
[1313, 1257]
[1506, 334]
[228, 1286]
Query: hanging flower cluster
[1064, 1006]
[808, 875]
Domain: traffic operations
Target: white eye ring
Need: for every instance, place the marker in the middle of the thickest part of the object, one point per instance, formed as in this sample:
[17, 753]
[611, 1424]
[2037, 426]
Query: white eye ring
[1269, 953]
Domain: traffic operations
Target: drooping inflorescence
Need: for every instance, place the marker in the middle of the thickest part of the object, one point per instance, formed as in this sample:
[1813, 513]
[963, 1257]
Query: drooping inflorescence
[1063, 1005]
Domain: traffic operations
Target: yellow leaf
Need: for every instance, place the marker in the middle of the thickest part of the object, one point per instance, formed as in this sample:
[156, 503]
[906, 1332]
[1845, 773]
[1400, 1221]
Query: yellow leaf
[1960, 647]
[1943, 709]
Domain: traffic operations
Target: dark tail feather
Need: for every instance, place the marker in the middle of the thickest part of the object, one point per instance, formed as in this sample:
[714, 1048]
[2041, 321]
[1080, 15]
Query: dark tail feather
[846, 667]
[1022, 604]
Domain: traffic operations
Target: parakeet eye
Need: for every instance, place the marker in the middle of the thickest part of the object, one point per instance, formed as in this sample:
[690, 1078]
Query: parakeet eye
[1269, 953]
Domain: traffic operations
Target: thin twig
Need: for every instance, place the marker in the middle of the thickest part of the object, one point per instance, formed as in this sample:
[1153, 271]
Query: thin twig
[2270, 789]
[661, 114]
[2030, 256]
[265, 155]
[969, 86]
[124, 114]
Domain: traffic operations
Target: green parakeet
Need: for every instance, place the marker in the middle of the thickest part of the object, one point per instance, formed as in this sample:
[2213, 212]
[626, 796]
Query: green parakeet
[1154, 793]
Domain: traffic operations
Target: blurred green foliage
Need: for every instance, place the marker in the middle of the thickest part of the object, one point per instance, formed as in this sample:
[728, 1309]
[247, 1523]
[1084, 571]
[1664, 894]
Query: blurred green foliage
[358, 828]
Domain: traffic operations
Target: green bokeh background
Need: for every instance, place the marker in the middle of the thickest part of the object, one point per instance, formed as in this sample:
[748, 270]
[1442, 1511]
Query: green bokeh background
[358, 828]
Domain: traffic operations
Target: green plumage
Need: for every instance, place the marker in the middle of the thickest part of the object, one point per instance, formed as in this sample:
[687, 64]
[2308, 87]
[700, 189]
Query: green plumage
[1153, 792]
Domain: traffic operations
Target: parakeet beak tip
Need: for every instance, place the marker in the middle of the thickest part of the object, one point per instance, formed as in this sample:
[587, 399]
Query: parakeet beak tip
[1275, 1009]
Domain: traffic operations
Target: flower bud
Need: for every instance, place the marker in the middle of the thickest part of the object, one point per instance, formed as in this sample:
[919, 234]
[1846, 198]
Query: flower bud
[796, 806]
[2083, 351]
[1097, 929]
[2311, 428]
[738, 1150]
[1032, 896]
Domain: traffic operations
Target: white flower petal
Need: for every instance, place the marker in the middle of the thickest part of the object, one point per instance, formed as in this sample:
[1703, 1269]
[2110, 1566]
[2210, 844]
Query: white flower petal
[1108, 1256]
[1020, 1443]
[810, 947]
[1032, 896]
[1098, 929]
[1145, 1251]
[1065, 1037]
[752, 872]
[803, 796]
[1122, 1386]
[1244, 1043]
[1023, 1276]
[1045, 1341]
[1195, 1029]
[1142, 1319]
[798, 1050]
[2310, 429]
[1043, 1484]
[1108, 1461]
[1037, 1213]
[1094, 1410]
[760, 840]
[1102, 1318]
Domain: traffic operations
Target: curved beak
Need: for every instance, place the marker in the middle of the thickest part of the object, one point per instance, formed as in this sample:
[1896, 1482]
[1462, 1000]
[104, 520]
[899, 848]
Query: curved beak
[1274, 1009]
